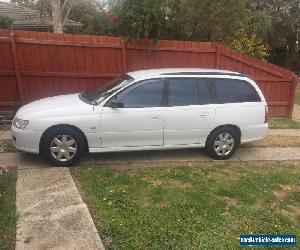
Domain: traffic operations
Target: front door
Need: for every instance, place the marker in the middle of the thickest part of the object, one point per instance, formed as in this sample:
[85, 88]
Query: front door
[139, 123]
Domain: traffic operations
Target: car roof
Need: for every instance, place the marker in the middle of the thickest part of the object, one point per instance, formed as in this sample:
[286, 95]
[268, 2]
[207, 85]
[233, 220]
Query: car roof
[181, 72]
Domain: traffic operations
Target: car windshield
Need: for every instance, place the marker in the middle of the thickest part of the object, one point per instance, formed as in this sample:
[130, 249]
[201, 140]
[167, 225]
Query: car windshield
[98, 95]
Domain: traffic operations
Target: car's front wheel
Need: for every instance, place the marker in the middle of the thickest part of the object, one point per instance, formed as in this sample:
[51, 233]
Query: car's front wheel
[63, 146]
[222, 143]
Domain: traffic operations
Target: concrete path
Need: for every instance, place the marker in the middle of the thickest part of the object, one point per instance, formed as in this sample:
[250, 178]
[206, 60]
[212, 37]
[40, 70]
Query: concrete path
[53, 215]
[284, 132]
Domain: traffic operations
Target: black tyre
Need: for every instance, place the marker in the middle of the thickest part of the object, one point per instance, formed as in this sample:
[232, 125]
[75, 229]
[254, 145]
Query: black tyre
[222, 143]
[63, 146]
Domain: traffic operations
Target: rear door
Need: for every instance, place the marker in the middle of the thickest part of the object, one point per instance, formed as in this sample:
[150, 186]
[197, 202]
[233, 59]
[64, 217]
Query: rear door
[189, 115]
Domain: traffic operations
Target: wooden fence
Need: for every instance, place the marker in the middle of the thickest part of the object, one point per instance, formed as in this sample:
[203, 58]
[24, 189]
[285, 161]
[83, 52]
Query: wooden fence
[39, 64]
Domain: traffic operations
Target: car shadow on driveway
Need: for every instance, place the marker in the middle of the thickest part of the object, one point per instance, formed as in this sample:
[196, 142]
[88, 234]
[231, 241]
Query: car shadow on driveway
[32, 160]
[146, 156]
[27, 160]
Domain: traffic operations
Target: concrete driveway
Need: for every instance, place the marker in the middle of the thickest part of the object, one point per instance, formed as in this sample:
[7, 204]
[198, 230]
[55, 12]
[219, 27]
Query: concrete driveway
[242, 154]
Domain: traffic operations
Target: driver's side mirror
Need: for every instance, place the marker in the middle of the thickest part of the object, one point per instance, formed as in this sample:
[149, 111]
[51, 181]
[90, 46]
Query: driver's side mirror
[116, 104]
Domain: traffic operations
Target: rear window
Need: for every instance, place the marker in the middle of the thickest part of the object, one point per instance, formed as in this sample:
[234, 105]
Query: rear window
[233, 91]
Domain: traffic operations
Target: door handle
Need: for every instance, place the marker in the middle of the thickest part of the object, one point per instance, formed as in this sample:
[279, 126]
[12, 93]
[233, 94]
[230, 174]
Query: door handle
[203, 115]
[155, 117]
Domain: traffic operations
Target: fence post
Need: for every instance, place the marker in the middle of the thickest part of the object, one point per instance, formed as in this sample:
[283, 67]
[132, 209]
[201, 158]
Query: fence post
[217, 56]
[12, 39]
[124, 59]
[293, 87]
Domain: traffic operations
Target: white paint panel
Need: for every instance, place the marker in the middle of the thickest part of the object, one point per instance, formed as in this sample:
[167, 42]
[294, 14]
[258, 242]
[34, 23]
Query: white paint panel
[188, 125]
[240, 114]
[131, 127]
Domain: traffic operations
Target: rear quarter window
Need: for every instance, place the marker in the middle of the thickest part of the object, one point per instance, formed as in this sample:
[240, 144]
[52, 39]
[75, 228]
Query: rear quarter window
[235, 91]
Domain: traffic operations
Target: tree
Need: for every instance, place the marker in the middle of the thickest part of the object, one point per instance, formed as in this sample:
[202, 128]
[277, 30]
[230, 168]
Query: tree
[93, 15]
[57, 16]
[57, 10]
[249, 44]
[141, 19]
[5, 22]
[207, 20]
[60, 10]
[285, 22]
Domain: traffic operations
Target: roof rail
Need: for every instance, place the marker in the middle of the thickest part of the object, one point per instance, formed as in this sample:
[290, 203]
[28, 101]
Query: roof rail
[207, 73]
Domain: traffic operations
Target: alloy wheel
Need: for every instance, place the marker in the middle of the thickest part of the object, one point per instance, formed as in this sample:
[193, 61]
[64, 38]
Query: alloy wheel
[223, 144]
[63, 148]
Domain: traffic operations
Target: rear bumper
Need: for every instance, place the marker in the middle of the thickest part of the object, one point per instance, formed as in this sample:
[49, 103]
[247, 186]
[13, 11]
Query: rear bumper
[26, 140]
[254, 132]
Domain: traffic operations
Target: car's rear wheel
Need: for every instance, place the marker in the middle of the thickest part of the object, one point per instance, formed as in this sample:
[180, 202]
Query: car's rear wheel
[222, 143]
[63, 146]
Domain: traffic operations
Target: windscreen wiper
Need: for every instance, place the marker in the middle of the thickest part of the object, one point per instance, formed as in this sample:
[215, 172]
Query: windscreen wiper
[87, 96]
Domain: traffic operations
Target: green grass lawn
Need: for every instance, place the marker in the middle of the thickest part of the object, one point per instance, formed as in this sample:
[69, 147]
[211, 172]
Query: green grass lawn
[8, 216]
[283, 123]
[191, 207]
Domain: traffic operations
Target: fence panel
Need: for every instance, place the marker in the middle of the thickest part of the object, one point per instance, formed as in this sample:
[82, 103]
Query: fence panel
[8, 84]
[34, 65]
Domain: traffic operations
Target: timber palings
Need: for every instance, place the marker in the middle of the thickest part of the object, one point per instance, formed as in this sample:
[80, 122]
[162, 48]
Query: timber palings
[34, 65]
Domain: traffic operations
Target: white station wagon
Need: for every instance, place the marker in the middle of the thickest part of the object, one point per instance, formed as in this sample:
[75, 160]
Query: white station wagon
[146, 110]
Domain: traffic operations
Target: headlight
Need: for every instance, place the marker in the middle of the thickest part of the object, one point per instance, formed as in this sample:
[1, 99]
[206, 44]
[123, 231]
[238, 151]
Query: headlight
[19, 123]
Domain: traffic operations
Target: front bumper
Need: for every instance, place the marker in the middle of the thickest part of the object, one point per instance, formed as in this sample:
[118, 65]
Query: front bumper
[26, 140]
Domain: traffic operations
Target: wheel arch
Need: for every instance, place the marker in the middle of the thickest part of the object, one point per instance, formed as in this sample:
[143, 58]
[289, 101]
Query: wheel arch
[63, 126]
[235, 127]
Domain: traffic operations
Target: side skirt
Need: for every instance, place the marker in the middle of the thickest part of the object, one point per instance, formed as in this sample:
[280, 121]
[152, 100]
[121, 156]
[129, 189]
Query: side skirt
[144, 148]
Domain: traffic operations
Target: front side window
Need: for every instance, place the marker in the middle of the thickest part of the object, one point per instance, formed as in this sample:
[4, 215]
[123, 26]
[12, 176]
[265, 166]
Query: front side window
[182, 92]
[143, 95]
[233, 91]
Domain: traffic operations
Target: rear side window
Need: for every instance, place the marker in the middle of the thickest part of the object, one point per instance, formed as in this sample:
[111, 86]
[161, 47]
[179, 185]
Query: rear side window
[204, 96]
[233, 91]
[182, 92]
